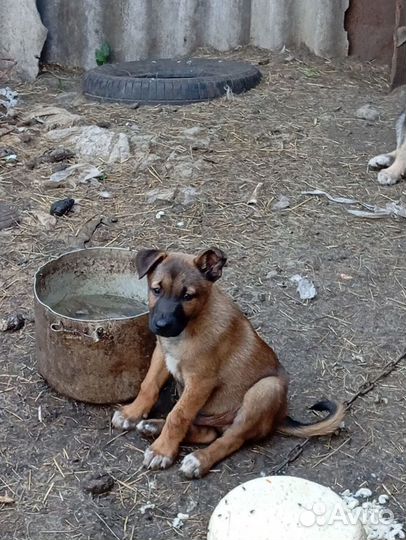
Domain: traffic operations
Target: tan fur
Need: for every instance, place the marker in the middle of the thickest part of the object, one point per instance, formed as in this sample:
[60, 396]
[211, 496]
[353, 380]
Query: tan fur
[233, 388]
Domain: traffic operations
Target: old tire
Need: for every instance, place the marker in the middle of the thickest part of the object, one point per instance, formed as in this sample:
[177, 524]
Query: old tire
[169, 81]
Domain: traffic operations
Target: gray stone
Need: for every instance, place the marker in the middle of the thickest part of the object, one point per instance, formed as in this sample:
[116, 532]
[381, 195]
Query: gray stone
[52, 117]
[367, 112]
[187, 195]
[164, 194]
[22, 36]
[93, 142]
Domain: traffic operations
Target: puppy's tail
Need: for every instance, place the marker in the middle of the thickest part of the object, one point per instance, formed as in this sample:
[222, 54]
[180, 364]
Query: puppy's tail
[329, 424]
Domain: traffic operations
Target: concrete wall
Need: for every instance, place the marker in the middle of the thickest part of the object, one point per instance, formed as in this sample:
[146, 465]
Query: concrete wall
[22, 37]
[138, 29]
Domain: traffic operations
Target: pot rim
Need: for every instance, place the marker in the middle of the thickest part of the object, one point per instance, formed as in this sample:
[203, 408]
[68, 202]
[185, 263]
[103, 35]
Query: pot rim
[42, 267]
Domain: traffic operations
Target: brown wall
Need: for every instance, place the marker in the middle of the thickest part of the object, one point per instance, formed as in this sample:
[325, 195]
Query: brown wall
[370, 25]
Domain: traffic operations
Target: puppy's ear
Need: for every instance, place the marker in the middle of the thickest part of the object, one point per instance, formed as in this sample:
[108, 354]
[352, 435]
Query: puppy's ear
[210, 263]
[147, 259]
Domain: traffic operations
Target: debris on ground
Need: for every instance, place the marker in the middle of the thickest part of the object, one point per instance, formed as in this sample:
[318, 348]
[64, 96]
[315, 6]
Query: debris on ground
[97, 484]
[93, 142]
[52, 117]
[45, 219]
[5, 499]
[187, 195]
[376, 517]
[145, 507]
[338, 200]
[192, 136]
[12, 323]
[179, 521]
[160, 214]
[105, 194]
[9, 216]
[305, 287]
[164, 194]
[55, 155]
[282, 203]
[254, 196]
[61, 207]
[68, 177]
[8, 100]
[367, 112]
[391, 209]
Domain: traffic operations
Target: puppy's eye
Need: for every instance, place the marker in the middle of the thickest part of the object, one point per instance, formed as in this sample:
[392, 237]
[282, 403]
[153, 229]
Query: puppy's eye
[156, 290]
[188, 296]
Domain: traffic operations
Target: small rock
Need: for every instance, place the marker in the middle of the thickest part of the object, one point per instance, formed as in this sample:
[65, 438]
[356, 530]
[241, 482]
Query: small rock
[367, 112]
[8, 216]
[192, 132]
[272, 274]
[282, 203]
[105, 195]
[5, 152]
[60, 154]
[98, 484]
[145, 507]
[305, 287]
[364, 493]
[165, 194]
[61, 207]
[178, 522]
[12, 323]
[182, 170]
[187, 195]
[46, 220]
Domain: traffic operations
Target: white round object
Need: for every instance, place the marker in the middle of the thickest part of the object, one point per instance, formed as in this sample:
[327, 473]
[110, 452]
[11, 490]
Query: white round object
[283, 508]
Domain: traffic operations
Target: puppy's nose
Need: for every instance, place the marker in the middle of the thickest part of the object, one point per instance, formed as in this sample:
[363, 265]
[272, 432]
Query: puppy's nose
[162, 324]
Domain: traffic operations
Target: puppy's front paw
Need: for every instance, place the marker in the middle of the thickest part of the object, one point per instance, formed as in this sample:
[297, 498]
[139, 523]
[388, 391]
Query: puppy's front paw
[150, 428]
[380, 162]
[191, 466]
[120, 421]
[387, 179]
[154, 460]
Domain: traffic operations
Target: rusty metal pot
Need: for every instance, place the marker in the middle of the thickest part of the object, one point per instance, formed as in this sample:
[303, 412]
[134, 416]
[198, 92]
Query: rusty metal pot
[96, 360]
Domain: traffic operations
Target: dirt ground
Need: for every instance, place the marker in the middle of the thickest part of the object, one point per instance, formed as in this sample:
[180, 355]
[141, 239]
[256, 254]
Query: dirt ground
[297, 131]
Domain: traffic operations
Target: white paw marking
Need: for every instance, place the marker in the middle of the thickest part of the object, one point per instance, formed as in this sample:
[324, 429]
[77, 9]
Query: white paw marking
[119, 421]
[380, 161]
[386, 179]
[145, 427]
[156, 461]
[191, 466]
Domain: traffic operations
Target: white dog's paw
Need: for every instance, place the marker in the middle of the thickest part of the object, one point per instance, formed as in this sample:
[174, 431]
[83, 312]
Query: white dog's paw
[150, 428]
[121, 422]
[381, 161]
[387, 179]
[154, 461]
[191, 466]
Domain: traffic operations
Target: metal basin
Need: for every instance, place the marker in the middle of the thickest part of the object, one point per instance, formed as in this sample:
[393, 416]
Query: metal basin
[93, 343]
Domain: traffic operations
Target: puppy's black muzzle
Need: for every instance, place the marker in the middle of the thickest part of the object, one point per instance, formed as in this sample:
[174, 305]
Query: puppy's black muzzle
[167, 319]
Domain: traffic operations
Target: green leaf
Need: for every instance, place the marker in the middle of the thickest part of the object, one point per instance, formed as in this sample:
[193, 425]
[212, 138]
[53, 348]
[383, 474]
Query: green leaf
[103, 54]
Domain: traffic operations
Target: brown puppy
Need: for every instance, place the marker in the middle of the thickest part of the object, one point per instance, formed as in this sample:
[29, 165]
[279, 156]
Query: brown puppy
[232, 387]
